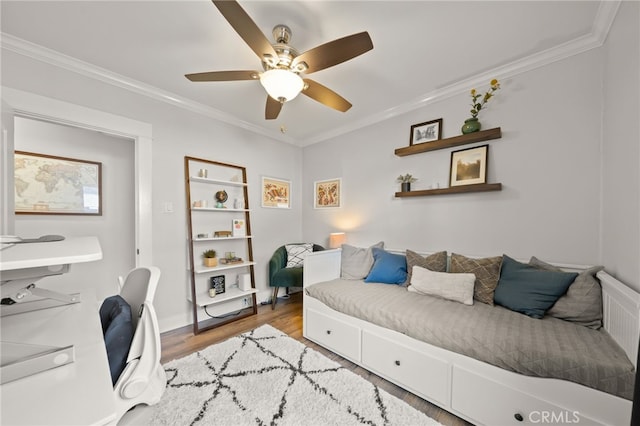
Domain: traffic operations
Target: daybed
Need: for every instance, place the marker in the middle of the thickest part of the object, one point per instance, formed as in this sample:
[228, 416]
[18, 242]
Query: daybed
[472, 360]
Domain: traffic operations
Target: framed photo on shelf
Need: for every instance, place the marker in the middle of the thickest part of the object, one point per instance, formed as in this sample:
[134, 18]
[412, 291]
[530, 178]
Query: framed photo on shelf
[469, 166]
[276, 193]
[239, 228]
[217, 283]
[47, 184]
[327, 193]
[428, 131]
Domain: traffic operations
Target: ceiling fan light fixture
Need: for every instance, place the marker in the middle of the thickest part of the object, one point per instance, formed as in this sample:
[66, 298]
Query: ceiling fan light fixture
[282, 85]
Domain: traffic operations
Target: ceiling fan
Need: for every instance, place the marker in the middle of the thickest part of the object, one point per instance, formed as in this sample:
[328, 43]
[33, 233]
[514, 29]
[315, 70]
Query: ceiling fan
[283, 66]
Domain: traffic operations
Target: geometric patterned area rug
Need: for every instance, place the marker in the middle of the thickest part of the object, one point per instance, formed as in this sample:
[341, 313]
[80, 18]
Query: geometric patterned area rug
[264, 377]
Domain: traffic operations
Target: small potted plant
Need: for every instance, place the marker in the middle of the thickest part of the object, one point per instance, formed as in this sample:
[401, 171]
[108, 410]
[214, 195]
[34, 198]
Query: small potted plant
[478, 101]
[209, 258]
[406, 182]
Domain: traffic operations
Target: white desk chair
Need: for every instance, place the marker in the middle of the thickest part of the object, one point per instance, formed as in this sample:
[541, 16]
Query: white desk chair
[143, 380]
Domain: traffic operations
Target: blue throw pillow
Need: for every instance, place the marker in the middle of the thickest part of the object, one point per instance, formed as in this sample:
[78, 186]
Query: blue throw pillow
[528, 290]
[388, 268]
[117, 327]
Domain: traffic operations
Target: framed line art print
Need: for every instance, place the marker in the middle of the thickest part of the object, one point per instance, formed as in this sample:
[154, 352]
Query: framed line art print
[327, 193]
[428, 131]
[276, 193]
[469, 166]
[48, 184]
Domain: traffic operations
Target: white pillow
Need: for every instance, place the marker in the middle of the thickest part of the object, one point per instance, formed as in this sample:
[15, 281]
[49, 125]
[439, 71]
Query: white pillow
[296, 254]
[455, 287]
[356, 262]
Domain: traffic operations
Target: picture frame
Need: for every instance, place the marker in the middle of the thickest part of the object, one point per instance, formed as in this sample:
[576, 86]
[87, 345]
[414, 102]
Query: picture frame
[428, 131]
[469, 166]
[53, 185]
[327, 193]
[238, 228]
[218, 284]
[276, 193]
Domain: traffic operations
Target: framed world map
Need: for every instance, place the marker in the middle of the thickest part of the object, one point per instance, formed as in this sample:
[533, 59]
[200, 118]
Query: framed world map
[46, 184]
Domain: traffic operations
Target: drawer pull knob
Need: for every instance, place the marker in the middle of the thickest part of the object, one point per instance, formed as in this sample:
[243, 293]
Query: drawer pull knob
[328, 331]
[518, 417]
[397, 362]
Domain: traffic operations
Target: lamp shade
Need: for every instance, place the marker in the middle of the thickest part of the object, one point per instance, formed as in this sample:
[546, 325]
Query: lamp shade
[336, 239]
[281, 85]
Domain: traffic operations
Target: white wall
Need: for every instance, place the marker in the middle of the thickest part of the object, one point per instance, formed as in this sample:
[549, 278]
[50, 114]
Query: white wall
[548, 161]
[621, 148]
[114, 228]
[7, 225]
[176, 133]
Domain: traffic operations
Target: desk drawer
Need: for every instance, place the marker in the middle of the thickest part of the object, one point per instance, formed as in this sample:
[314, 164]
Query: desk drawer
[418, 372]
[338, 336]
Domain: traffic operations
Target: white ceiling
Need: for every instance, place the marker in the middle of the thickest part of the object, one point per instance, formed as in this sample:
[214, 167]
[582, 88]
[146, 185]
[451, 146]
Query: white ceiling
[423, 50]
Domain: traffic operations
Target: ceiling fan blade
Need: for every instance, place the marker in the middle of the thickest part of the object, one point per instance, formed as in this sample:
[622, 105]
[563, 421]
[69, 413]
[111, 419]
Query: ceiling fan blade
[272, 110]
[246, 28]
[324, 95]
[224, 76]
[334, 52]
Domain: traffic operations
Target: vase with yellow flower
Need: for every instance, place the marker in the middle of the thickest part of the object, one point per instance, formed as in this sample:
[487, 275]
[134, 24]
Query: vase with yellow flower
[478, 102]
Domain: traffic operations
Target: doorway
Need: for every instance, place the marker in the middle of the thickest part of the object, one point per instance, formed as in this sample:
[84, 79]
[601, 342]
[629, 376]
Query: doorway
[114, 228]
[31, 106]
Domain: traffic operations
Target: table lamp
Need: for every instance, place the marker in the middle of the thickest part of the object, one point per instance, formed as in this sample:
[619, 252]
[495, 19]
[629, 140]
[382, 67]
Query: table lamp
[336, 239]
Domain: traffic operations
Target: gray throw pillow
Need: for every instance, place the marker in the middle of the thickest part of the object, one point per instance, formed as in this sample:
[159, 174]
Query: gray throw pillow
[356, 262]
[582, 304]
[436, 262]
[486, 270]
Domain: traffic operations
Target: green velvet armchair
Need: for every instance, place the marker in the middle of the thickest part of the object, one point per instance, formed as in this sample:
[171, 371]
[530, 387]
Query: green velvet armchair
[279, 276]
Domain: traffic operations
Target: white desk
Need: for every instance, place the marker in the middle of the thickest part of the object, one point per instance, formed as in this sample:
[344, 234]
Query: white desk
[79, 393]
[33, 255]
[21, 265]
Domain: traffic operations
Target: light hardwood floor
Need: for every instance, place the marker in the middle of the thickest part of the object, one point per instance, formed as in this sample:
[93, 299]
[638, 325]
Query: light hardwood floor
[287, 317]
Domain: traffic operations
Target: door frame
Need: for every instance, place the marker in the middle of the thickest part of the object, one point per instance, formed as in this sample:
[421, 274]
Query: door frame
[30, 105]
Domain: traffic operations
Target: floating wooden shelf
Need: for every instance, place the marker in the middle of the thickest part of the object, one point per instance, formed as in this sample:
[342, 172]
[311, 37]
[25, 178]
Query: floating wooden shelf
[483, 135]
[479, 187]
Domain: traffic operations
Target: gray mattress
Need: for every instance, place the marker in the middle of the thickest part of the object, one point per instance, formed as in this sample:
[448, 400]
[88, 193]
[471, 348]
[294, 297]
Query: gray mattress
[542, 348]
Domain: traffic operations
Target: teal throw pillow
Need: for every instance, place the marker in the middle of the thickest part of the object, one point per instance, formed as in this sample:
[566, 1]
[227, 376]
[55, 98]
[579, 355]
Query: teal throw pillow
[528, 290]
[388, 268]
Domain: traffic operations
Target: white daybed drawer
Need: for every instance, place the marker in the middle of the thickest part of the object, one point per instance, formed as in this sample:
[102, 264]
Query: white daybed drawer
[339, 336]
[416, 371]
[491, 403]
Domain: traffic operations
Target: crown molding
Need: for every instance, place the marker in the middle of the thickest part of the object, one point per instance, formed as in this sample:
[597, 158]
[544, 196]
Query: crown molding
[57, 59]
[602, 23]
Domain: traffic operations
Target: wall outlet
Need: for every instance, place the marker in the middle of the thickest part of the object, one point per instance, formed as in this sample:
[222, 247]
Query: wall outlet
[245, 301]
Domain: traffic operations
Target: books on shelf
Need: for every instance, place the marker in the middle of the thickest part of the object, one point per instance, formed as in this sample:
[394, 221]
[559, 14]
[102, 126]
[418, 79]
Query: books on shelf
[230, 261]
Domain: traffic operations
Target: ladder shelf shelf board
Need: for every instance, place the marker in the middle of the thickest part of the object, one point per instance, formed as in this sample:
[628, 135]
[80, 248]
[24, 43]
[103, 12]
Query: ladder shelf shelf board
[480, 136]
[203, 299]
[219, 209]
[217, 181]
[221, 238]
[204, 269]
[205, 180]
